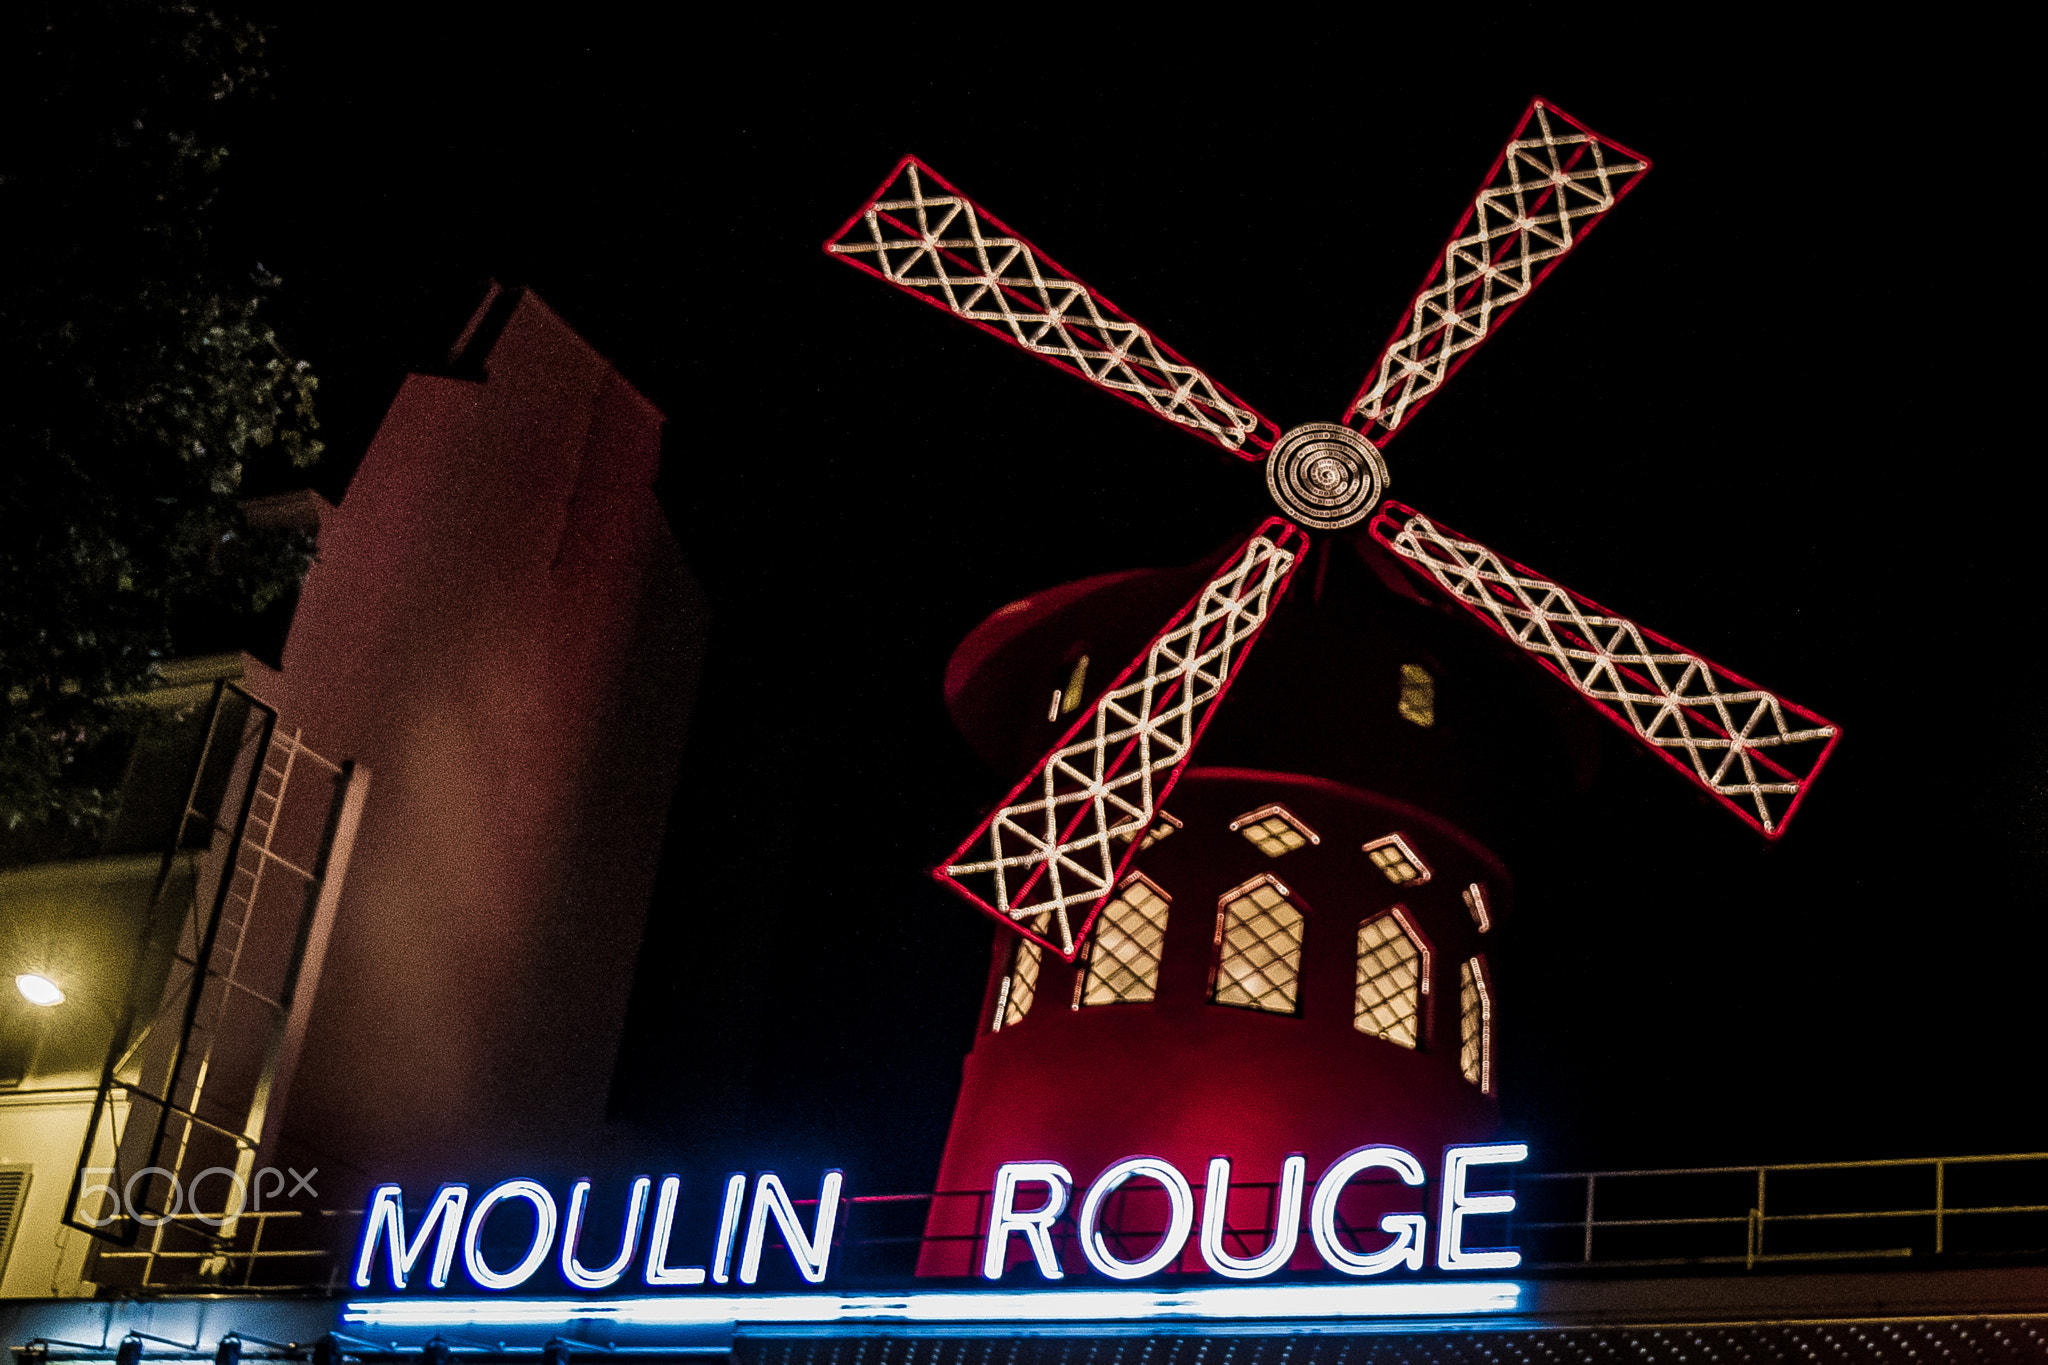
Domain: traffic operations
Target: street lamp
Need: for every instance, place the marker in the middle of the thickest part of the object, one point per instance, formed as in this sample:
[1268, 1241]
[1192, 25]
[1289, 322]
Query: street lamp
[38, 989]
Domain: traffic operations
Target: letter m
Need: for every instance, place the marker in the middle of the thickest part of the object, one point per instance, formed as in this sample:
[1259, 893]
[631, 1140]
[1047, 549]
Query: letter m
[386, 1219]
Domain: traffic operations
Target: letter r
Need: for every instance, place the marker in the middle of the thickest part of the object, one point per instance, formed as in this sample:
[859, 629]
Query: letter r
[1036, 1224]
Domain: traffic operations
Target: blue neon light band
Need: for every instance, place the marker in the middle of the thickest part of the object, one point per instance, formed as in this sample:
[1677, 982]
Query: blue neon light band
[1435, 1298]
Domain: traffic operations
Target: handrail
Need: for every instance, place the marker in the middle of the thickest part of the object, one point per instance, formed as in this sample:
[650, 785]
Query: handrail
[1759, 1218]
[1791, 1224]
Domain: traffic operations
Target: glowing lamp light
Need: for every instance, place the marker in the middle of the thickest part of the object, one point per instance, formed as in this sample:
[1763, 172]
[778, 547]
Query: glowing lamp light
[38, 989]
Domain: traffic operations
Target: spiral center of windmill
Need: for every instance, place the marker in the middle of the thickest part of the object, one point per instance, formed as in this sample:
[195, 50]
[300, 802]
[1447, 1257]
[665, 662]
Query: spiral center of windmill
[1325, 476]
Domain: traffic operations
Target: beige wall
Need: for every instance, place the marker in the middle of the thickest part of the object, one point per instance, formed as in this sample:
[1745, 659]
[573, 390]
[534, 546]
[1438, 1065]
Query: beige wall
[42, 1130]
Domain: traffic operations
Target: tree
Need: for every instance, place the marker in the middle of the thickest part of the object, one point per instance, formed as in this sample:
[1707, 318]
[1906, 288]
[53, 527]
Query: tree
[144, 387]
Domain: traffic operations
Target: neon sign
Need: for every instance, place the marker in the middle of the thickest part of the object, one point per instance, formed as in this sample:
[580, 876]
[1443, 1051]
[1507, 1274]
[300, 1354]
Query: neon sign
[1028, 1199]
[384, 1225]
[544, 1319]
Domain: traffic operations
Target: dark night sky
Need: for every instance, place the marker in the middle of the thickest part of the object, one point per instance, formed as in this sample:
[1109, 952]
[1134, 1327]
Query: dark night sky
[1772, 410]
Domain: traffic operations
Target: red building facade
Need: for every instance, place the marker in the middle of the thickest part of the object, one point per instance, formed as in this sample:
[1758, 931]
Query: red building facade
[1298, 962]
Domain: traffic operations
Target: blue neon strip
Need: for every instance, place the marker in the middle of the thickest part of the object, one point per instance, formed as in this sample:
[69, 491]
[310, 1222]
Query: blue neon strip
[1430, 1298]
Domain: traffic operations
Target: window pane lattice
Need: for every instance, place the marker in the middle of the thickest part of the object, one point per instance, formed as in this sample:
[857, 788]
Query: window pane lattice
[1021, 985]
[1474, 1025]
[1397, 861]
[1260, 962]
[1274, 830]
[1161, 828]
[1123, 963]
[1389, 999]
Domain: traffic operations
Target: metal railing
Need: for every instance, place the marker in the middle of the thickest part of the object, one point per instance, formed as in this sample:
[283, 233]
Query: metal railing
[1969, 1207]
[1715, 1216]
[238, 1260]
[1763, 1215]
[189, 1078]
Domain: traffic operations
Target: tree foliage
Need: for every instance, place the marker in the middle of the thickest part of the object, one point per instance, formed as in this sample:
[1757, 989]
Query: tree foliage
[143, 385]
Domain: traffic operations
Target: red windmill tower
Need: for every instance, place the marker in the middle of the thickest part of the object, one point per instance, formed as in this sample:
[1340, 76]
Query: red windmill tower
[1254, 963]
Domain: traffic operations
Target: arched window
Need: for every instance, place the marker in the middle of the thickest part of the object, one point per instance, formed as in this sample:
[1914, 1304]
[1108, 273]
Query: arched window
[1393, 976]
[1258, 947]
[1274, 830]
[1013, 997]
[1066, 695]
[1475, 1024]
[1399, 863]
[1475, 901]
[1162, 825]
[1418, 696]
[1123, 960]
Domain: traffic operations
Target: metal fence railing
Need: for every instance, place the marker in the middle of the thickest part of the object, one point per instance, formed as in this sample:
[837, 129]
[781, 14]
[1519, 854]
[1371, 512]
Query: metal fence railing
[278, 1251]
[1761, 1215]
[1963, 1209]
[1748, 1216]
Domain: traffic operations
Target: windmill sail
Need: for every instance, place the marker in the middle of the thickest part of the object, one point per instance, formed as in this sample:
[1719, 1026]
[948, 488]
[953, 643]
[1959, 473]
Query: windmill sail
[1049, 857]
[1053, 853]
[1750, 749]
[1551, 184]
[925, 237]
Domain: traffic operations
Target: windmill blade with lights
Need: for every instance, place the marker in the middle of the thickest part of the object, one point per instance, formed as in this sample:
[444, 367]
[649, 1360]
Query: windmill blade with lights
[1055, 849]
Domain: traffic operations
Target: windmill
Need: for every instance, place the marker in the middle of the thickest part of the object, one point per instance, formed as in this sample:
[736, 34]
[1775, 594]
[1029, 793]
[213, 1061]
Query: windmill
[1057, 847]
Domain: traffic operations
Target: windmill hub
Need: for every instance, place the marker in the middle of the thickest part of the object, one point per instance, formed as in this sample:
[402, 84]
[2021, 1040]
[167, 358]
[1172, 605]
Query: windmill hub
[1056, 854]
[1325, 476]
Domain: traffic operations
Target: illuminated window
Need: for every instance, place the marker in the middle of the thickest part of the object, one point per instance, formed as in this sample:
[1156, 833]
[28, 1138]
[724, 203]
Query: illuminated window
[1161, 827]
[1418, 695]
[1393, 976]
[1123, 961]
[1013, 997]
[1392, 856]
[1258, 948]
[1475, 1024]
[1475, 901]
[1067, 700]
[1274, 830]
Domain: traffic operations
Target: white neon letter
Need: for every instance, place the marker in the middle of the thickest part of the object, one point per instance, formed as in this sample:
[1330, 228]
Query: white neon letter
[1286, 1222]
[810, 1253]
[1409, 1229]
[1458, 1205]
[659, 1271]
[572, 1233]
[1004, 1219]
[728, 1227]
[387, 1215]
[1178, 1196]
[543, 1234]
